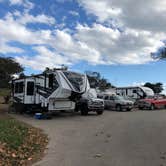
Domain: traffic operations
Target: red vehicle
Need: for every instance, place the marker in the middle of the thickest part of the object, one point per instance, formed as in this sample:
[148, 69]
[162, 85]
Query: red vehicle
[152, 103]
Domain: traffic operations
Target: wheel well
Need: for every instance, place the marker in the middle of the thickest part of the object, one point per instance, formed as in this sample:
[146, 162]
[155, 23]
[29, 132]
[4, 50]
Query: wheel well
[118, 105]
[153, 104]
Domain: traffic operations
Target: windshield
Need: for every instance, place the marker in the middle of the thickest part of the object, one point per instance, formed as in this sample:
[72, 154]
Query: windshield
[119, 98]
[150, 97]
[92, 93]
[77, 80]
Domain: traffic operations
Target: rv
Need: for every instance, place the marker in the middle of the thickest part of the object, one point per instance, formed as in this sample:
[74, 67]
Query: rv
[53, 90]
[137, 92]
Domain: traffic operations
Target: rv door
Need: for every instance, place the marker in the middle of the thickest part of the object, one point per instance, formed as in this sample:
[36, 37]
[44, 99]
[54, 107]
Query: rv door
[18, 91]
[29, 93]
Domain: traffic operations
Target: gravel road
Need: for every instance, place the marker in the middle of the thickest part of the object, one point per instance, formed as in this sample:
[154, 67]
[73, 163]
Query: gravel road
[135, 138]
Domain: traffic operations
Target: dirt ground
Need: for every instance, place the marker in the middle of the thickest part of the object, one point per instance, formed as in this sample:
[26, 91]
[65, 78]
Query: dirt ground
[135, 138]
[3, 111]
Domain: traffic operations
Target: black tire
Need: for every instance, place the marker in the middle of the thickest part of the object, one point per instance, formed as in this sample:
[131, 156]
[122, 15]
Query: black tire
[99, 112]
[129, 109]
[152, 107]
[84, 110]
[140, 108]
[19, 108]
[118, 108]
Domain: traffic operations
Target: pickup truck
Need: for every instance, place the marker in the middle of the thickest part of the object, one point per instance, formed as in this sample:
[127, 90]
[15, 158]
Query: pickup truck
[90, 103]
[152, 103]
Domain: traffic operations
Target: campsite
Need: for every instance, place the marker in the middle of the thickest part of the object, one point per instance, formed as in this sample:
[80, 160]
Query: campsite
[82, 83]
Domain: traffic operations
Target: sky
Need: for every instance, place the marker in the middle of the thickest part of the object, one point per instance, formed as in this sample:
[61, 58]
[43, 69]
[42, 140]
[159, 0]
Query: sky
[113, 37]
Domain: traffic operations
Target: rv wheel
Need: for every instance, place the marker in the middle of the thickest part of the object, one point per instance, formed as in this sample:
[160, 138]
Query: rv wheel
[128, 109]
[99, 112]
[140, 108]
[84, 110]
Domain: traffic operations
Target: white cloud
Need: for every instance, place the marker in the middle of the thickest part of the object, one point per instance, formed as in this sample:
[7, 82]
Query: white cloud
[144, 15]
[102, 9]
[25, 3]
[96, 44]
[5, 48]
[19, 32]
[164, 87]
[61, 41]
[76, 49]
[128, 47]
[16, 2]
[44, 58]
[138, 83]
[74, 13]
[25, 18]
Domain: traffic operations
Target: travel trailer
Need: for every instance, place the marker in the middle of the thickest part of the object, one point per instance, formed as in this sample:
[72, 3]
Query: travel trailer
[137, 92]
[53, 90]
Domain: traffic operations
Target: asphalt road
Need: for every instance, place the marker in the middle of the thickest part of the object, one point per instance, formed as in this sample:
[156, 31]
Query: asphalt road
[135, 138]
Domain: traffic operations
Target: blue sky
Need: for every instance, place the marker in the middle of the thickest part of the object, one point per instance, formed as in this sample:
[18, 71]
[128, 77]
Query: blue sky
[113, 37]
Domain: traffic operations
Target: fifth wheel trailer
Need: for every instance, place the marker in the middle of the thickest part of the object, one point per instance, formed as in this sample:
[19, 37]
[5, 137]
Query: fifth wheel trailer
[53, 90]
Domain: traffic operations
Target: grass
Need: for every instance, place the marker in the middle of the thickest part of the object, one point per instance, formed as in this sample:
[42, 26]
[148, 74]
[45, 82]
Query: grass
[12, 133]
[20, 144]
[4, 92]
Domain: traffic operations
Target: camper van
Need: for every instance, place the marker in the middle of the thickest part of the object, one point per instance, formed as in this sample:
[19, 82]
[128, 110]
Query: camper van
[53, 90]
[137, 92]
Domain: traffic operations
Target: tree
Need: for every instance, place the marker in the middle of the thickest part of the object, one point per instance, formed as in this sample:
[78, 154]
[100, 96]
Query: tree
[96, 81]
[156, 87]
[160, 55]
[8, 67]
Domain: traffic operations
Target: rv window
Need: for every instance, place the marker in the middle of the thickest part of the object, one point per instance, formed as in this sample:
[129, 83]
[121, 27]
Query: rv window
[51, 80]
[18, 88]
[77, 80]
[30, 88]
[106, 97]
[52, 83]
[134, 91]
[111, 98]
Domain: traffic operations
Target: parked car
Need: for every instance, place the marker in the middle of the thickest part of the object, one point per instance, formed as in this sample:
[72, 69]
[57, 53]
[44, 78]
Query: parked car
[118, 103]
[89, 102]
[152, 103]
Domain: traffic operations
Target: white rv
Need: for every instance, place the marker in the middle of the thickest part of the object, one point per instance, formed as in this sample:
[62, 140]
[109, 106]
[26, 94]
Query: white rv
[53, 90]
[136, 92]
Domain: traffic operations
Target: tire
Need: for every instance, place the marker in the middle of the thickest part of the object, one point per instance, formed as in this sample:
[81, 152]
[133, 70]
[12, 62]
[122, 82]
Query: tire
[19, 108]
[84, 110]
[129, 109]
[140, 108]
[118, 108]
[99, 112]
[152, 107]
[76, 109]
